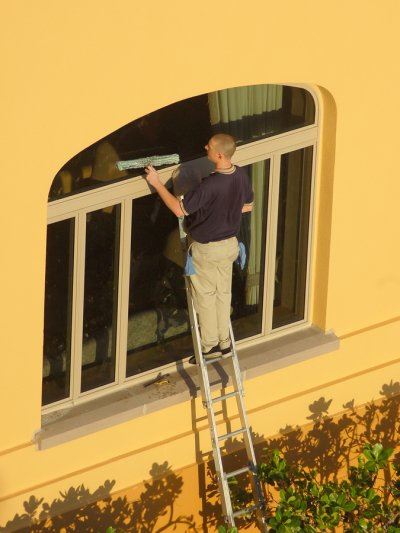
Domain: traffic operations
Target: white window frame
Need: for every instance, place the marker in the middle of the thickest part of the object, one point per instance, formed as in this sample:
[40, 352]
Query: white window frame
[77, 206]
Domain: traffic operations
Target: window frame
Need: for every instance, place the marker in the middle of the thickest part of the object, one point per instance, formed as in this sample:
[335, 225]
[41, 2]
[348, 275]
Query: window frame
[123, 192]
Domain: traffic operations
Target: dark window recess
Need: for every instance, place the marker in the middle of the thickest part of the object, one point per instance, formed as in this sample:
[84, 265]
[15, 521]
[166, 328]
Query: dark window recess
[292, 237]
[248, 113]
[158, 321]
[100, 304]
[58, 311]
[158, 329]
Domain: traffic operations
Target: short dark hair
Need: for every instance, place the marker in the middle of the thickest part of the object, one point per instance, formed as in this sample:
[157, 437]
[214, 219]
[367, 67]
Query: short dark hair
[225, 144]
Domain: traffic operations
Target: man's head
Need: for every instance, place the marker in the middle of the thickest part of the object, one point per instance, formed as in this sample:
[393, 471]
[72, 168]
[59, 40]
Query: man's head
[220, 148]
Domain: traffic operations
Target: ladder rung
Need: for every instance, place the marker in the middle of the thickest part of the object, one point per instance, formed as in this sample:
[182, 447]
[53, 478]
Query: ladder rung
[238, 472]
[232, 434]
[246, 510]
[225, 396]
[218, 359]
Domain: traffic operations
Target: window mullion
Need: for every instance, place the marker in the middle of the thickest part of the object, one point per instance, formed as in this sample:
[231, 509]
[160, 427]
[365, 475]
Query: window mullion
[272, 230]
[77, 336]
[123, 291]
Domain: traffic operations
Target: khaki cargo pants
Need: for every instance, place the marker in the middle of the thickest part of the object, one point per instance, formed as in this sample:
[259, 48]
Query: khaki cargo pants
[212, 289]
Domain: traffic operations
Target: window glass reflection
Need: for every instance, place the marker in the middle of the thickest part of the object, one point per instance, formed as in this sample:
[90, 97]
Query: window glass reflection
[248, 113]
[248, 284]
[57, 311]
[292, 237]
[100, 297]
[158, 322]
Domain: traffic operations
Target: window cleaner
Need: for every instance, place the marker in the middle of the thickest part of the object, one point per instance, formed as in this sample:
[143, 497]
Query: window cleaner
[212, 214]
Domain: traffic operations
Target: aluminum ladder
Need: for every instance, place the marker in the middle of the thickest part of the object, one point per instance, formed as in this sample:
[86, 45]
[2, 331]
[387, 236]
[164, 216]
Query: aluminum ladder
[209, 402]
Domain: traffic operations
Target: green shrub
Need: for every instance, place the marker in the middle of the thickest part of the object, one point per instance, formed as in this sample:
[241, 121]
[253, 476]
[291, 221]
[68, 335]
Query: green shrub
[356, 504]
[223, 529]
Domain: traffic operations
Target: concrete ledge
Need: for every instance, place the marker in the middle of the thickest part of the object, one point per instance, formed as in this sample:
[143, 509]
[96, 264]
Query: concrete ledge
[182, 385]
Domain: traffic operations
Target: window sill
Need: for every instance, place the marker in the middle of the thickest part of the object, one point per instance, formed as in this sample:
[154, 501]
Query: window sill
[183, 384]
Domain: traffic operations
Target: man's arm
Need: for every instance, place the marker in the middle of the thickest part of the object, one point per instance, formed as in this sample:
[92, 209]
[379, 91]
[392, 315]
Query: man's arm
[249, 198]
[169, 199]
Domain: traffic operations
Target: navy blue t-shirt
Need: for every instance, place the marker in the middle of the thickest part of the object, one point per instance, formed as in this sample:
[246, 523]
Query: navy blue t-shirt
[213, 209]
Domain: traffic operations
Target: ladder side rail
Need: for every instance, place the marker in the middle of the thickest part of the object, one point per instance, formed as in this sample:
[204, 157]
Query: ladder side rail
[222, 480]
[238, 384]
[194, 325]
[248, 440]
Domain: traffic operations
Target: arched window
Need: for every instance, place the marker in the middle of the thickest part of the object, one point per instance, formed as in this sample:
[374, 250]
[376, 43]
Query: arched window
[115, 304]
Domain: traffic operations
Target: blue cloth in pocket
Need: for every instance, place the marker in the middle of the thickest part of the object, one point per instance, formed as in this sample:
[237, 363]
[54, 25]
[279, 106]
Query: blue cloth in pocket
[189, 266]
[241, 258]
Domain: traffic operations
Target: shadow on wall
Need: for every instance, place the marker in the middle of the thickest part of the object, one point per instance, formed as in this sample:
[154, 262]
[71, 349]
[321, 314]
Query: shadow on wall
[330, 445]
[82, 511]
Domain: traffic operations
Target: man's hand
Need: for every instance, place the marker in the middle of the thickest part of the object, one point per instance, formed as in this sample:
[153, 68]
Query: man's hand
[169, 199]
[247, 208]
[152, 176]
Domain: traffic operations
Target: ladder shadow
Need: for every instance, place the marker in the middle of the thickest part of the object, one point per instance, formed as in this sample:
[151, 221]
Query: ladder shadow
[191, 385]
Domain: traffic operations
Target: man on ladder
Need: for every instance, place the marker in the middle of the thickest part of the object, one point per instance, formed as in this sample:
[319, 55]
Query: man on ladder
[213, 213]
[212, 219]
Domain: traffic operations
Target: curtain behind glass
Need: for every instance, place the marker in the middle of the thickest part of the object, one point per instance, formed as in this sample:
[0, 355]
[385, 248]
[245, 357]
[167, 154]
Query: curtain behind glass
[259, 174]
[236, 103]
[247, 113]
[248, 284]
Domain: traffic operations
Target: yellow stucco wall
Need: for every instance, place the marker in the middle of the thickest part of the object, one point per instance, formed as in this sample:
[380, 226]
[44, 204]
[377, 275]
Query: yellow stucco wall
[73, 72]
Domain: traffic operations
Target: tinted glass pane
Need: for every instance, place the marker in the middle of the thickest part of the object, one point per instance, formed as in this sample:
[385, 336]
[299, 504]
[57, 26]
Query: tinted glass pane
[249, 113]
[158, 323]
[258, 111]
[292, 237]
[101, 297]
[57, 311]
[248, 284]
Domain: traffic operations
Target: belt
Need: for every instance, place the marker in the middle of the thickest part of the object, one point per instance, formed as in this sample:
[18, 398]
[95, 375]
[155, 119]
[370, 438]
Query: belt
[190, 239]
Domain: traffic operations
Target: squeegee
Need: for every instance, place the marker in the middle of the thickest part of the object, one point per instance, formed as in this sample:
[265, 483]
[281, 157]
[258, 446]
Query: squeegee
[154, 160]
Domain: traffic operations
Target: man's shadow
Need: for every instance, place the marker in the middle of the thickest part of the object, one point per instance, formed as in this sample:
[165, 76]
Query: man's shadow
[190, 174]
